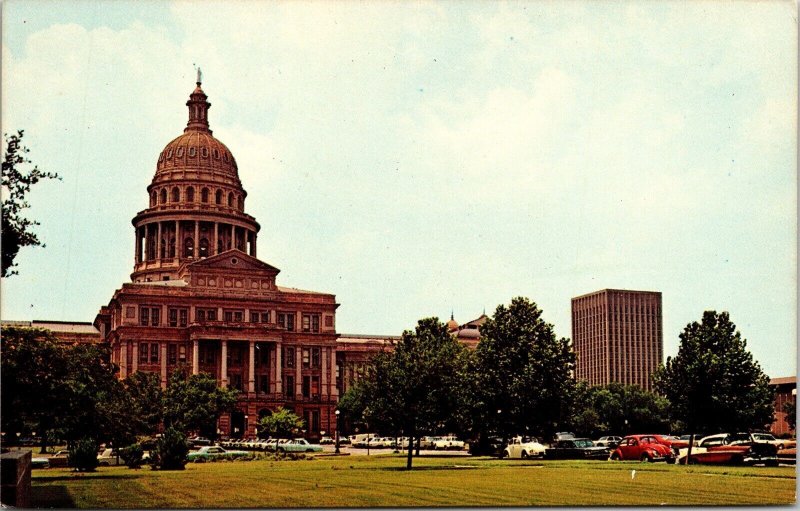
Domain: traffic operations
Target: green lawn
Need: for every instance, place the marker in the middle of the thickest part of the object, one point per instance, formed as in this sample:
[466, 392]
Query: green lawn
[353, 481]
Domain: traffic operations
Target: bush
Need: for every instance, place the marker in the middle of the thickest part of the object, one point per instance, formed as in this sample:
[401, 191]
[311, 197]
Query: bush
[132, 455]
[171, 450]
[83, 455]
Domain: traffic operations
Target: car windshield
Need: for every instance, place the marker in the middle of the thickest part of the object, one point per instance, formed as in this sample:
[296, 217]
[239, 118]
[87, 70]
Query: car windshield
[583, 443]
[762, 436]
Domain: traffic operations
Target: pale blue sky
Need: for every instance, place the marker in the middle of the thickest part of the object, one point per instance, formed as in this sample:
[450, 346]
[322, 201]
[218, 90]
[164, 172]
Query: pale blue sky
[414, 158]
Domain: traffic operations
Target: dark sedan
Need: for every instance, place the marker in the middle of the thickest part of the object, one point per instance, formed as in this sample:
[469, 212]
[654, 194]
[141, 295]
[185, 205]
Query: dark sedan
[576, 449]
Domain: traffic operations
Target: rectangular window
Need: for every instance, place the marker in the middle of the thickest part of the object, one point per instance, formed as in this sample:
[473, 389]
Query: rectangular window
[143, 356]
[262, 355]
[211, 314]
[238, 316]
[311, 323]
[153, 353]
[236, 381]
[328, 321]
[183, 317]
[288, 356]
[306, 359]
[306, 386]
[237, 355]
[289, 387]
[265, 317]
[262, 383]
[286, 320]
[316, 357]
[172, 353]
[315, 386]
[229, 316]
[200, 315]
[155, 316]
[144, 316]
[254, 317]
[173, 317]
[182, 353]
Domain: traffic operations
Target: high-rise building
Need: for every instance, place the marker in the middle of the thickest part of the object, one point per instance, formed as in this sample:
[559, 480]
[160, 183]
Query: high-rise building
[200, 299]
[617, 336]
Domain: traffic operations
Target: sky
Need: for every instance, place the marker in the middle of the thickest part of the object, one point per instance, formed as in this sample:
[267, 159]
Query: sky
[422, 158]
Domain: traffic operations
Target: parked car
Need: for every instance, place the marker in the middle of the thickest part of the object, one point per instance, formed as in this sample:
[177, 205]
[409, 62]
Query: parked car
[780, 443]
[523, 447]
[563, 435]
[449, 442]
[726, 448]
[608, 441]
[326, 440]
[362, 439]
[109, 458]
[214, 452]
[491, 446]
[788, 456]
[575, 448]
[299, 445]
[40, 462]
[199, 441]
[59, 459]
[642, 448]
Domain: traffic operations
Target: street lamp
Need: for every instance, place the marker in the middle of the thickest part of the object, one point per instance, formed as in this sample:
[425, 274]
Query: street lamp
[244, 433]
[337, 412]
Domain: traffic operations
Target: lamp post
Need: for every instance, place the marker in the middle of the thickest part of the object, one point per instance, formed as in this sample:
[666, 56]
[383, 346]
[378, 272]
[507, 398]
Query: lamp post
[244, 433]
[337, 412]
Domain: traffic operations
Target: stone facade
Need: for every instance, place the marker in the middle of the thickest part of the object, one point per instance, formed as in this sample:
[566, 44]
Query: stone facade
[617, 336]
[785, 392]
[200, 298]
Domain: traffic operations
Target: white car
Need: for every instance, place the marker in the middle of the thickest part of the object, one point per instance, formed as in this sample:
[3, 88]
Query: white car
[109, 458]
[524, 447]
[448, 443]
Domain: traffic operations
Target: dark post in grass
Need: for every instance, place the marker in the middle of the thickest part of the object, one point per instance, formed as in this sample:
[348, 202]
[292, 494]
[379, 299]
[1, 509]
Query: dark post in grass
[337, 412]
[689, 452]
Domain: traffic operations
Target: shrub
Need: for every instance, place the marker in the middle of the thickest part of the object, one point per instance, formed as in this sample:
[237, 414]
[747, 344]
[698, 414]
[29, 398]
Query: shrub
[172, 449]
[83, 455]
[132, 455]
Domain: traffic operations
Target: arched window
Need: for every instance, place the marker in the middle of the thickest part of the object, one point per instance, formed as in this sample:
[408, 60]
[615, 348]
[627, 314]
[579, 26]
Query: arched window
[240, 202]
[204, 247]
[163, 196]
[176, 194]
[230, 199]
[172, 247]
[204, 195]
[190, 194]
[188, 247]
[153, 198]
[219, 196]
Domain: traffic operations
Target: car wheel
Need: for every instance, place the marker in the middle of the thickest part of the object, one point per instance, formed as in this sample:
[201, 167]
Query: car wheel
[693, 461]
[504, 454]
[614, 456]
[524, 455]
[780, 447]
[309, 450]
[646, 458]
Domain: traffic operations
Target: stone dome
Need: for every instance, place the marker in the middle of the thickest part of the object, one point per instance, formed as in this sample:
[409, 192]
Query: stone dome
[197, 150]
[468, 333]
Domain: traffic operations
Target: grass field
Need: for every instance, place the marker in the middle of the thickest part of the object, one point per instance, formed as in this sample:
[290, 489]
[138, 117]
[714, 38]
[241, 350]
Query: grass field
[352, 481]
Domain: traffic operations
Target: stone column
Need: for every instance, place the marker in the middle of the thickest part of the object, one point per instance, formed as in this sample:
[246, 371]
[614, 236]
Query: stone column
[138, 254]
[158, 240]
[178, 240]
[123, 359]
[233, 236]
[251, 369]
[196, 238]
[298, 374]
[324, 380]
[163, 346]
[216, 238]
[135, 358]
[224, 365]
[195, 356]
[253, 245]
[278, 368]
[334, 389]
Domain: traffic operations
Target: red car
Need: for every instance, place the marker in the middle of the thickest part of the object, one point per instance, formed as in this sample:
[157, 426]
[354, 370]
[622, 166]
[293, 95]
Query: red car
[642, 448]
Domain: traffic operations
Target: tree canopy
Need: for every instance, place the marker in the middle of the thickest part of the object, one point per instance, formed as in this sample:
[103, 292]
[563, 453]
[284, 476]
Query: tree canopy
[196, 402]
[713, 384]
[618, 409]
[281, 423]
[416, 387]
[523, 372]
[17, 230]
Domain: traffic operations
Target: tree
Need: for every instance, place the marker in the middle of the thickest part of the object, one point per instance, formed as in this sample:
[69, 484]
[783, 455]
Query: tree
[524, 373]
[416, 387]
[196, 402]
[713, 384]
[618, 409]
[281, 423]
[132, 408]
[352, 405]
[17, 231]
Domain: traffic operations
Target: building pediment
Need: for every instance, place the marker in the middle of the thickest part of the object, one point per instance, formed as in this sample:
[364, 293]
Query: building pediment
[231, 261]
